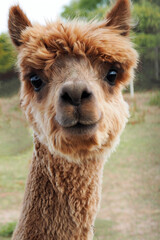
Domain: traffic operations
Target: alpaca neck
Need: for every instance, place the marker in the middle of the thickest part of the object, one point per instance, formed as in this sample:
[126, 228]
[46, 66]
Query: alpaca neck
[61, 198]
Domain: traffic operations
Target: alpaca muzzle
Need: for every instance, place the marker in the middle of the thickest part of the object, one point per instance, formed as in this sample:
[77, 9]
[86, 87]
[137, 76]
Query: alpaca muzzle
[77, 108]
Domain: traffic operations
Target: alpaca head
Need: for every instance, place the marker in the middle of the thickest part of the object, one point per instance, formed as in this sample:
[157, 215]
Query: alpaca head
[72, 75]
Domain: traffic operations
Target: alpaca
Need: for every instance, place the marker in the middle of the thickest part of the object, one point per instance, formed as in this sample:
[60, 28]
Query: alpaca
[72, 75]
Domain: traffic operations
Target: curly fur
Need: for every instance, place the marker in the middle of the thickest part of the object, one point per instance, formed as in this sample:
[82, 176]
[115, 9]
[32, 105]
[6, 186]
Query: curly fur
[63, 188]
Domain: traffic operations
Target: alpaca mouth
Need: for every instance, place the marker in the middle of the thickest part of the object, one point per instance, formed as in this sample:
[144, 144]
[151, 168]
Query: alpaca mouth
[81, 129]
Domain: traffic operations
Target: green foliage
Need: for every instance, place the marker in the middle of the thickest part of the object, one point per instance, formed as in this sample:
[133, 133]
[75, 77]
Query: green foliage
[7, 54]
[151, 1]
[90, 5]
[144, 40]
[85, 9]
[6, 230]
[147, 39]
[147, 36]
[155, 99]
[148, 17]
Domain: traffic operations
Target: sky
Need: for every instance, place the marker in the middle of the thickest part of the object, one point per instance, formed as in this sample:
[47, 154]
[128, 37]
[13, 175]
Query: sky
[36, 10]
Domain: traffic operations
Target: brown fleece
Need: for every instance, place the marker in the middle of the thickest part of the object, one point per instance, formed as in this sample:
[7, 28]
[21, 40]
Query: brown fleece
[61, 198]
[72, 142]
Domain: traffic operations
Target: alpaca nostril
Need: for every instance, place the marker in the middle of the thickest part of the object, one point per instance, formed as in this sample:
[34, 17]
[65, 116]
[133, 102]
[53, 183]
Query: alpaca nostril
[85, 94]
[74, 93]
[66, 98]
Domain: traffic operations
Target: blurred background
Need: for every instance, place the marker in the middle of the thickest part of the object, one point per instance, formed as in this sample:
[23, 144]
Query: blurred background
[130, 207]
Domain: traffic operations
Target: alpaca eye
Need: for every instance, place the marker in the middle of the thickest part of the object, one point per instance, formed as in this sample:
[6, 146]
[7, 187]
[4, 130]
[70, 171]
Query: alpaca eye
[36, 82]
[111, 77]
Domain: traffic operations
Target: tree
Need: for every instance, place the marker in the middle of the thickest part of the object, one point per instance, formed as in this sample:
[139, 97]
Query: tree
[85, 9]
[7, 54]
[148, 39]
[151, 1]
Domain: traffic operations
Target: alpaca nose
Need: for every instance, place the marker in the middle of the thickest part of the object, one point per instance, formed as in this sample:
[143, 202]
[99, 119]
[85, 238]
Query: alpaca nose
[74, 93]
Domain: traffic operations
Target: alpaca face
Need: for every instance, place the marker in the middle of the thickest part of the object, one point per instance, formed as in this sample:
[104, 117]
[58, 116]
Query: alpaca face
[72, 75]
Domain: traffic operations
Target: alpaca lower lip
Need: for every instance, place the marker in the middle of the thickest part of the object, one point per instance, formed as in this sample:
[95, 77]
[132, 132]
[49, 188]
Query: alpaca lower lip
[81, 129]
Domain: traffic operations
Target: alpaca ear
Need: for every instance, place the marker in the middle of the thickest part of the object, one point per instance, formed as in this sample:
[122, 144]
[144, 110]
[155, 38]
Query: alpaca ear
[120, 16]
[17, 22]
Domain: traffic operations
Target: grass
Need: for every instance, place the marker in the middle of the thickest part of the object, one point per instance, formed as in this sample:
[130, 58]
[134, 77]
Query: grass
[131, 186]
[6, 230]
[15, 137]
[155, 99]
[136, 115]
[15, 153]
[104, 229]
[130, 207]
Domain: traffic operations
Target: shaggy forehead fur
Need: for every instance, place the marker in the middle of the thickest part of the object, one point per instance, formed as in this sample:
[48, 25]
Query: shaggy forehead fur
[94, 40]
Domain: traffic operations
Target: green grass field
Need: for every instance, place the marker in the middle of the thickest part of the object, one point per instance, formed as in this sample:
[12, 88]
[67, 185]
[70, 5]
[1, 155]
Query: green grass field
[130, 207]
